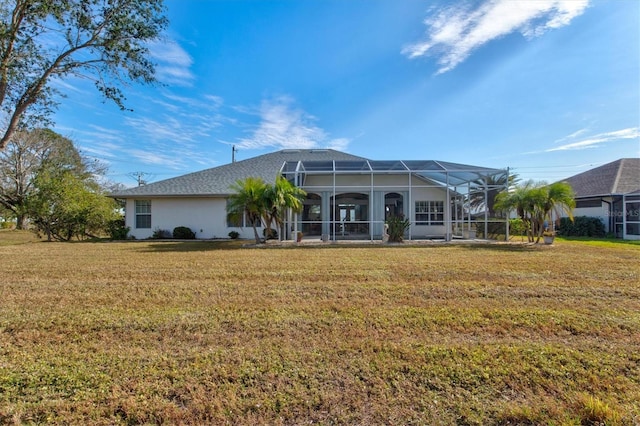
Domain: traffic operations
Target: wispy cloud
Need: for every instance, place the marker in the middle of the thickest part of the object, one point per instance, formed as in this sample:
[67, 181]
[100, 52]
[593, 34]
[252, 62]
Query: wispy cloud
[174, 63]
[283, 126]
[597, 140]
[454, 32]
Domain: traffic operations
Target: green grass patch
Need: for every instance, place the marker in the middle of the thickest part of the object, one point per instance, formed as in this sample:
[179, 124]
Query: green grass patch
[214, 333]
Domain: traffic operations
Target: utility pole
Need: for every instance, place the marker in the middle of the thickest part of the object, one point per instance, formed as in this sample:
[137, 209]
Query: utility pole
[138, 176]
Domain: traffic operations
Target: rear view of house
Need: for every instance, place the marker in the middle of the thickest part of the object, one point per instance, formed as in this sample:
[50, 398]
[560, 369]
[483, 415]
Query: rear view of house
[348, 197]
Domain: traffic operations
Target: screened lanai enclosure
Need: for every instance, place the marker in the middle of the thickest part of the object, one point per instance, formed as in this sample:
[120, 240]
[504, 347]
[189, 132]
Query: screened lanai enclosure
[353, 199]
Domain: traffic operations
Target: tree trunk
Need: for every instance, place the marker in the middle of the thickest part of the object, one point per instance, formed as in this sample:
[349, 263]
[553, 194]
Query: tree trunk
[21, 221]
[256, 235]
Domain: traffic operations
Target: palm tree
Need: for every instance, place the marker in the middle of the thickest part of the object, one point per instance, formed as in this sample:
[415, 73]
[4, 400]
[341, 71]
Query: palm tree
[559, 199]
[522, 201]
[535, 203]
[280, 197]
[495, 185]
[249, 200]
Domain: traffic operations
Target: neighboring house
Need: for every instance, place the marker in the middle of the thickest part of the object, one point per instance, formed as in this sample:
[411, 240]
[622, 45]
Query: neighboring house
[612, 193]
[348, 197]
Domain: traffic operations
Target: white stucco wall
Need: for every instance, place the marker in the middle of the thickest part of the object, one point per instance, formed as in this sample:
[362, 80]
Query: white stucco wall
[204, 216]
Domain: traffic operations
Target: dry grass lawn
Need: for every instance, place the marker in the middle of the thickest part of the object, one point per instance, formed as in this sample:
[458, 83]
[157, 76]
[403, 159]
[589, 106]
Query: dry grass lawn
[205, 332]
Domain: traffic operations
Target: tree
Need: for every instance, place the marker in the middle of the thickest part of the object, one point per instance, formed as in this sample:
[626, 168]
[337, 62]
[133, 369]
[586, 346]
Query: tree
[558, 200]
[248, 201]
[280, 197]
[535, 203]
[495, 185]
[25, 155]
[65, 205]
[105, 41]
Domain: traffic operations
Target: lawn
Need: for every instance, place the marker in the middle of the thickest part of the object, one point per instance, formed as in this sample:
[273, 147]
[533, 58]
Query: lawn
[210, 332]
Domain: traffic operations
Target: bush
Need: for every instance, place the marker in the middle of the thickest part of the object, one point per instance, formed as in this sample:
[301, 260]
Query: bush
[117, 229]
[516, 227]
[398, 225]
[160, 234]
[183, 233]
[234, 235]
[582, 226]
[7, 224]
[270, 234]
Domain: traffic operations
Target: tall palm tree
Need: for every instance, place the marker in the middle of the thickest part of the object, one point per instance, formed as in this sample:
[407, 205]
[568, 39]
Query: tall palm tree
[280, 197]
[248, 200]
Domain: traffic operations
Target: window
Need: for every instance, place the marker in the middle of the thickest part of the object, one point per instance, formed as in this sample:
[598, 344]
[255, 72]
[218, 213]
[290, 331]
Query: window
[233, 222]
[143, 214]
[588, 203]
[429, 212]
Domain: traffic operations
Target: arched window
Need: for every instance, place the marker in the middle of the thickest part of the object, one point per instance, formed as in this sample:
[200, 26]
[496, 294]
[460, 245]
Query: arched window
[393, 205]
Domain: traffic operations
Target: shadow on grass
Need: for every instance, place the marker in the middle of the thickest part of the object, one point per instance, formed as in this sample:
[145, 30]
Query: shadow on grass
[511, 247]
[191, 246]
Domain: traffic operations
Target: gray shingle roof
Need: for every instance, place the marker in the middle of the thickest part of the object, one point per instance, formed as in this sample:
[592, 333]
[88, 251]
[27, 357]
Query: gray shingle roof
[618, 177]
[217, 180]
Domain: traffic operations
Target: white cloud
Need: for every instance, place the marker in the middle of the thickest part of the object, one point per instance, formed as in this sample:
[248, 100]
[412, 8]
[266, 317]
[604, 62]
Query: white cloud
[598, 140]
[285, 127]
[453, 33]
[174, 63]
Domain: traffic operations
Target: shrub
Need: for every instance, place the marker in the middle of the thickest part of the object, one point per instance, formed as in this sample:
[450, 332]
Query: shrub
[7, 224]
[398, 225]
[582, 226]
[118, 230]
[270, 234]
[234, 235]
[159, 234]
[183, 233]
[516, 227]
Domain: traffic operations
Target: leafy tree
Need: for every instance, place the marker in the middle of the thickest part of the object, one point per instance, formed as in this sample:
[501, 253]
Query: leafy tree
[25, 155]
[105, 41]
[65, 205]
[248, 201]
[280, 197]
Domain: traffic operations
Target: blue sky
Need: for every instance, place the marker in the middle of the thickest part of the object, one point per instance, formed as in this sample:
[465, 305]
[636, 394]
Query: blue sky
[549, 88]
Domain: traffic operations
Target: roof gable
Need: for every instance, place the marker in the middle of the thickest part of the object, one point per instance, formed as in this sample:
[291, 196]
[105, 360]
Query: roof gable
[618, 177]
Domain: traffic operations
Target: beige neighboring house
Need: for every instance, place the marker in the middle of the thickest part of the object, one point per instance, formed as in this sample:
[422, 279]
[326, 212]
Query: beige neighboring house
[348, 197]
[612, 193]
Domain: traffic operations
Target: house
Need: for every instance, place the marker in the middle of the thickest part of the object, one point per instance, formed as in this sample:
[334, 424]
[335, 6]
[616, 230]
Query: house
[612, 193]
[348, 197]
